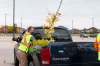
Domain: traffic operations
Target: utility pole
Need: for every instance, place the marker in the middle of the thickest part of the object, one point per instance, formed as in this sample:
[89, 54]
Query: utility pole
[5, 22]
[13, 18]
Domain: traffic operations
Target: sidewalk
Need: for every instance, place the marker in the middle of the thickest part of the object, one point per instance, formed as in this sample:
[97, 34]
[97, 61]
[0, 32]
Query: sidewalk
[6, 51]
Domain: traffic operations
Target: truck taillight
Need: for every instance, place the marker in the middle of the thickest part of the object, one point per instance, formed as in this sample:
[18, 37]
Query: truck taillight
[45, 56]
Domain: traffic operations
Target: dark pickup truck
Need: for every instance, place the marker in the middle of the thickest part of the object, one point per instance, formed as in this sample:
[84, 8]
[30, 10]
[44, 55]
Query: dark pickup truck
[65, 52]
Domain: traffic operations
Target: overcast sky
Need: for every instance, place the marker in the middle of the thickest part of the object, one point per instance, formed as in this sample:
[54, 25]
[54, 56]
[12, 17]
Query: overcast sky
[34, 12]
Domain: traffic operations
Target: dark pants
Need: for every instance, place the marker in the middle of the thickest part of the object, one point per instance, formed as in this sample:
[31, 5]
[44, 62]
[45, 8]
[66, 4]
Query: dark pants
[25, 59]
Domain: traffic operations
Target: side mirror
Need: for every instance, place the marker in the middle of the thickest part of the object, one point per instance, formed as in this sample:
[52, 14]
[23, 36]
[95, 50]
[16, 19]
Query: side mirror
[13, 39]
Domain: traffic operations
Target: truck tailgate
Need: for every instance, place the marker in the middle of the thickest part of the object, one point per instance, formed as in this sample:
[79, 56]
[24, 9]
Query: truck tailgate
[63, 53]
[73, 53]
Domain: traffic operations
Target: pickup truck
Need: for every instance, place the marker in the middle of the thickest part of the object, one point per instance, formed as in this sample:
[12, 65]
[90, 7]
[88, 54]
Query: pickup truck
[63, 51]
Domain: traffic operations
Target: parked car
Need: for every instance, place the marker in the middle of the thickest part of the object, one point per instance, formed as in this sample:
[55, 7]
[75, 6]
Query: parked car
[83, 34]
[93, 35]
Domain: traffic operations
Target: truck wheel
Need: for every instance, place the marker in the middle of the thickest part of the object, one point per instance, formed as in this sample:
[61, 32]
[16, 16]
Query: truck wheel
[35, 60]
[16, 62]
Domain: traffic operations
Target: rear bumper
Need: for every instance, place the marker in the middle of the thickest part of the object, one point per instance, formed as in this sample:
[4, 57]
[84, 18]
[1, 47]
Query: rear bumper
[79, 64]
[55, 65]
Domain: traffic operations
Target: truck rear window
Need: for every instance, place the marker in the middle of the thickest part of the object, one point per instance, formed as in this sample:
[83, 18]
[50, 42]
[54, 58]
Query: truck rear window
[58, 34]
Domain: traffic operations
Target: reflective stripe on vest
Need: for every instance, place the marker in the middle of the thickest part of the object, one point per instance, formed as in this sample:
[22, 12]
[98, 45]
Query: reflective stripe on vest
[23, 48]
[26, 40]
[98, 56]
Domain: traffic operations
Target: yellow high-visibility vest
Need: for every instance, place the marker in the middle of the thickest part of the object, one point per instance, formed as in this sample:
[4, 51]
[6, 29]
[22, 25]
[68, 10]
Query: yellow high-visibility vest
[27, 39]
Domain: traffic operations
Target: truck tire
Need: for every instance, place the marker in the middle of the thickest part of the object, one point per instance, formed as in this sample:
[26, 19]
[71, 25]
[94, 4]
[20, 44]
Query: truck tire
[16, 62]
[35, 59]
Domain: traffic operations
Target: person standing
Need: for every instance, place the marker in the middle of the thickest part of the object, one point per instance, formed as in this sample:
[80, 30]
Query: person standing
[25, 46]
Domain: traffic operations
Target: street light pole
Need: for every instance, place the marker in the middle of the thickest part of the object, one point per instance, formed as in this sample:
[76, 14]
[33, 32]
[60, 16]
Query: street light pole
[21, 24]
[72, 24]
[13, 18]
[5, 22]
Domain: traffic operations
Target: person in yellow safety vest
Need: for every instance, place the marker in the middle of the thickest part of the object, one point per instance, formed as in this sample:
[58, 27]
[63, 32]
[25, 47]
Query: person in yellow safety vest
[25, 46]
[97, 45]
